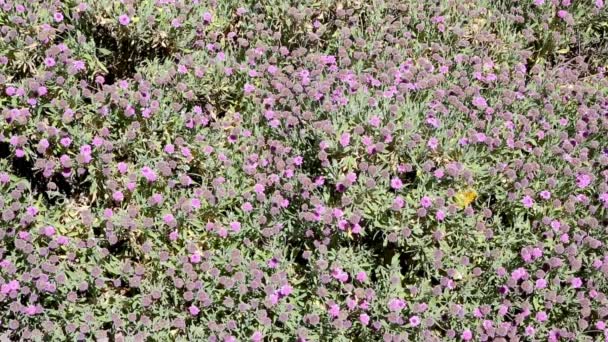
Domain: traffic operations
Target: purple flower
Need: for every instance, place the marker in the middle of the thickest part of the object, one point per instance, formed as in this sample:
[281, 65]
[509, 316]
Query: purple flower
[527, 201]
[364, 319]
[433, 143]
[541, 283]
[195, 258]
[124, 20]
[235, 226]
[257, 336]
[48, 230]
[169, 219]
[414, 321]
[49, 62]
[480, 102]
[396, 183]
[541, 316]
[396, 304]
[530, 330]
[545, 194]
[334, 310]
[576, 282]
[118, 196]
[148, 174]
[426, 202]
[583, 181]
[467, 335]
[207, 17]
[58, 17]
[259, 188]
[345, 139]
[248, 88]
[194, 310]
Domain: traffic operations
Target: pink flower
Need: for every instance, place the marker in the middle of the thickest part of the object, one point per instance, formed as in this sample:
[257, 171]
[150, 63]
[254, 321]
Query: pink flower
[541, 316]
[426, 202]
[374, 121]
[30, 310]
[527, 201]
[286, 290]
[49, 62]
[247, 207]
[118, 196]
[545, 194]
[345, 139]
[48, 230]
[340, 275]
[207, 17]
[122, 167]
[576, 282]
[480, 102]
[65, 142]
[58, 17]
[248, 88]
[259, 188]
[467, 335]
[583, 180]
[414, 321]
[599, 3]
[62, 240]
[235, 226]
[194, 310]
[124, 20]
[541, 283]
[361, 276]
[173, 235]
[398, 203]
[257, 337]
[364, 319]
[195, 258]
[334, 310]
[396, 304]
[530, 330]
[169, 219]
[148, 174]
[12, 285]
[433, 143]
[396, 183]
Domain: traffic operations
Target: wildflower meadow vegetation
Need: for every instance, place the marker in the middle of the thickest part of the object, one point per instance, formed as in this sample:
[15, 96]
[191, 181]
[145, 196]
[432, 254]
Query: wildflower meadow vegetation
[312, 170]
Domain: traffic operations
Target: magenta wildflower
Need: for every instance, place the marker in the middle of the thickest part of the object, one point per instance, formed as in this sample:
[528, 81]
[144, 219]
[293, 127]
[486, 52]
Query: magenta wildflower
[583, 180]
[426, 202]
[194, 310]
[148, 174]
[124, 20]
[345, 139]
[396, 183]
[527, 201]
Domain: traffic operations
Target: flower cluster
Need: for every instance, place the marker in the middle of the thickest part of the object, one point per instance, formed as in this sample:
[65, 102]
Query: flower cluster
[388, 170]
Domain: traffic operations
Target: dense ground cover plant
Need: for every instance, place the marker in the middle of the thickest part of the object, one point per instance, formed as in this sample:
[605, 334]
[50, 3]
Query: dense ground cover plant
[313, 170]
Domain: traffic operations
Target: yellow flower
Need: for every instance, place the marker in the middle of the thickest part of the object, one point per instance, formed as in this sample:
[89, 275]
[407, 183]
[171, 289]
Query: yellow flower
[465, 197]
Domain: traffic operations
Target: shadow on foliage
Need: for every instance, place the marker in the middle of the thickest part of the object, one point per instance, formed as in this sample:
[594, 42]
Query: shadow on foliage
[125, 53]
[38, 183]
